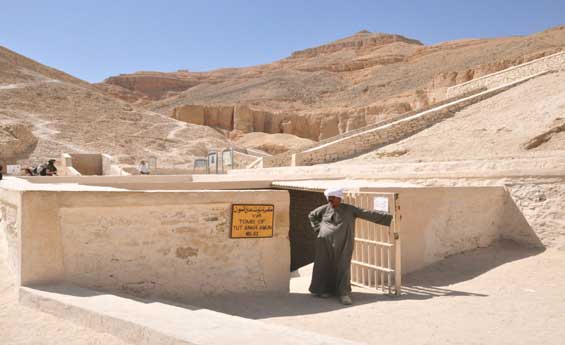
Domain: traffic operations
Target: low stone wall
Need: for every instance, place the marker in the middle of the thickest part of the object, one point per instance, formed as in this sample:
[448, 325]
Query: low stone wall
[87, 163]
[441, 221]
[173, 245]
[552, 62]
[242, 160]
[392, 132]
[280, 160]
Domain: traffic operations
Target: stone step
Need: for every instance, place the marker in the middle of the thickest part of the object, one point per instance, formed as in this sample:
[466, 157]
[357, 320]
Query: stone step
[155, 322]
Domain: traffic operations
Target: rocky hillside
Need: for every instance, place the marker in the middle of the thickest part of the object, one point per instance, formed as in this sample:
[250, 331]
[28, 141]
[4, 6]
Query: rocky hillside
[44, 112]
[315, 93]
[320, 92]
[527, 121]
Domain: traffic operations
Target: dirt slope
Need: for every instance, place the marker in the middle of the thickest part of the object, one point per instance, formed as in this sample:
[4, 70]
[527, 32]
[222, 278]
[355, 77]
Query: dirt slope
[16, 68]
[323, 91]
[44, 112]
[272, 143]
[527, 120]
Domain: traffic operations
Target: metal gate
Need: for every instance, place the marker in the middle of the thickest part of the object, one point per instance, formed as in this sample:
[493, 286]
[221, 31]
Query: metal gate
[376, 261]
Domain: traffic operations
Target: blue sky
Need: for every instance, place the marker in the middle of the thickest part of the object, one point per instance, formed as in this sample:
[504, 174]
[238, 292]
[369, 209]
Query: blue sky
[96, 39]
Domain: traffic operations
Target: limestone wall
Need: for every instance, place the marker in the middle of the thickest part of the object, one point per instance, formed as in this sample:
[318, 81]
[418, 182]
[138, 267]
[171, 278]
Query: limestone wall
[10, 212]
[173, 245]
[552, 62]
[87, 163]
[150, 182]
[438, 222]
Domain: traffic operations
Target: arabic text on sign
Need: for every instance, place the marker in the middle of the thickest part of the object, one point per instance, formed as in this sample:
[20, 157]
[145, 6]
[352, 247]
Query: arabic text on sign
[252, 221]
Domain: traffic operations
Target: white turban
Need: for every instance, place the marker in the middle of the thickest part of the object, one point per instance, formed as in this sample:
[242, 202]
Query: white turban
[334, 191]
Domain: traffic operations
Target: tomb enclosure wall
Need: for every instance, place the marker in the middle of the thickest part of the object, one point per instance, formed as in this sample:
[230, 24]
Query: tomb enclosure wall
[174, 245]
[548, 63]
[441, 221]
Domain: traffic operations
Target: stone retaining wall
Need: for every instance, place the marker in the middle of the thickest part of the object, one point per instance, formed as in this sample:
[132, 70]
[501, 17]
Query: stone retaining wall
[552, 62]
[392, 132]
[285, 159]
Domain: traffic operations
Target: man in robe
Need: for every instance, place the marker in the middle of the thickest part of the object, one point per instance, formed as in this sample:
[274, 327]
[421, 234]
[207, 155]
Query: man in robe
[334, 223]
[143, 168]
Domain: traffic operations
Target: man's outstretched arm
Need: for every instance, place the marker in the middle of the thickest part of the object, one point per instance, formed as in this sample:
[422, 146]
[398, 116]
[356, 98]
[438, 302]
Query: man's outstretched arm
[378, 217]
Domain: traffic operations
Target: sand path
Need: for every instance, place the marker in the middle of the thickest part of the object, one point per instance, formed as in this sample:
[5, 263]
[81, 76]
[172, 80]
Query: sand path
[501, 295]
[21, 325]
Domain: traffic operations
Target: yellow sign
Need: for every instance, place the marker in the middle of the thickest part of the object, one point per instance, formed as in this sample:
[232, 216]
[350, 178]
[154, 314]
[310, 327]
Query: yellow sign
[252, 221]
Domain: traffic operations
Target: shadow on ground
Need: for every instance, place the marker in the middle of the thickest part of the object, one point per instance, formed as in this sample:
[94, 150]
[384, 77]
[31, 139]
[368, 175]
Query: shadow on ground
[434, 281]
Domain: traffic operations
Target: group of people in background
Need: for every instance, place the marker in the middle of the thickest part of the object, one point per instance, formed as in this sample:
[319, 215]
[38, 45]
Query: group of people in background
[49, 169]
[43, 169]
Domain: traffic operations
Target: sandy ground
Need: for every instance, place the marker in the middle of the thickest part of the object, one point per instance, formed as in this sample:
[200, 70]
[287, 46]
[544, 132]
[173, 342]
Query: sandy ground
[499, 295]
[20, 325]
[505, 294]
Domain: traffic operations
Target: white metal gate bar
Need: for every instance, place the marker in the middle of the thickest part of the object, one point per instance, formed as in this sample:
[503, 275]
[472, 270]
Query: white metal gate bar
[376, 261]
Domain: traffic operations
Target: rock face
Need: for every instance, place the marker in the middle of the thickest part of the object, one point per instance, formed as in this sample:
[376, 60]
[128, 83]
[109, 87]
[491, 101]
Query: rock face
[16, 140]
[242, 119]
[213, 116]
[152, 85]
[272, 143]
[45, 112]
[155, 85]
[319, 92]
[362, 40]
[556, 130]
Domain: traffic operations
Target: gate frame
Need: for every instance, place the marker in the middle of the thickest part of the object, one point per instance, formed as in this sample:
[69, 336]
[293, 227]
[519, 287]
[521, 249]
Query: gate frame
[394, 231]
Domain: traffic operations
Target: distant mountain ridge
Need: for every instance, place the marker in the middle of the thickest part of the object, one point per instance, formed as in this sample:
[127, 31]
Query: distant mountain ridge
[327, 90]
[315, 93]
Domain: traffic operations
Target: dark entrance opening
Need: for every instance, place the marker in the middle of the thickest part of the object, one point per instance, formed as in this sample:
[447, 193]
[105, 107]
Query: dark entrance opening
[301, 235]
